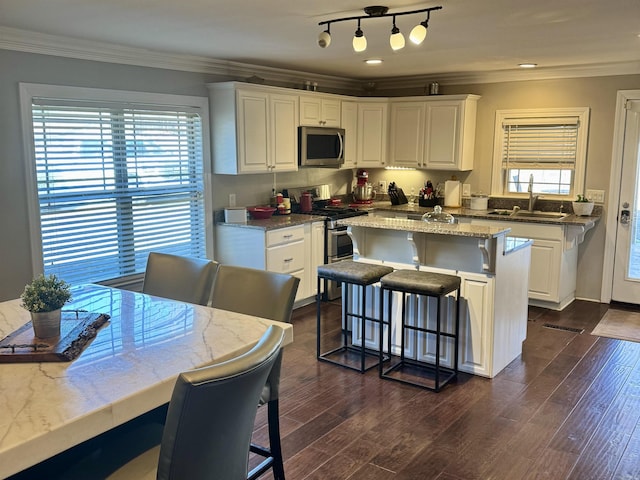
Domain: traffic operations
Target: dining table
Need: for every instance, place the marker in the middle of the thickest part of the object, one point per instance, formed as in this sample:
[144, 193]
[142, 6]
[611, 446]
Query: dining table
[127, 370]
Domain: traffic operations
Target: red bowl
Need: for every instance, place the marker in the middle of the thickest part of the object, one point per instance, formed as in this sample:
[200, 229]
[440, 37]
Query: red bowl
[258, 213]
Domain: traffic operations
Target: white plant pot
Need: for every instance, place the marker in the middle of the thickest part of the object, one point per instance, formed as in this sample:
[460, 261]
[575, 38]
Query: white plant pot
[46, 324]
[583, 208]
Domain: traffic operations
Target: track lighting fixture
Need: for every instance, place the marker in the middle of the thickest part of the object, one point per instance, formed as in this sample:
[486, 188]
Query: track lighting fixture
[324, 39]
[396, 40]
[359, 40]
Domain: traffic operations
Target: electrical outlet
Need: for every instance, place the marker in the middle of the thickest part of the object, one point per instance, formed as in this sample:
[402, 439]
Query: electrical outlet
[382, 186]
[596, 196]
[466, 190]
[232, 199]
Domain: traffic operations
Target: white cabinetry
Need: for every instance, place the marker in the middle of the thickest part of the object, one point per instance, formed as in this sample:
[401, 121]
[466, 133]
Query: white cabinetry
[372, 134]
[296, 250]
[554, 261]
[437, 133]
[319, 110]
[349, 122]
[254, 129]
[406, 140]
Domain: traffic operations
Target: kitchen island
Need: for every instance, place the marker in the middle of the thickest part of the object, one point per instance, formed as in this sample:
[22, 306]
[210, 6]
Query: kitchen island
[493, 267]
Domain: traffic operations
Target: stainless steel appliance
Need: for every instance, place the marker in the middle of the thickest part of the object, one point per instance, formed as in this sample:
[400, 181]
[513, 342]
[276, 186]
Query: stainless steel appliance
[320, 147]
[337, 244]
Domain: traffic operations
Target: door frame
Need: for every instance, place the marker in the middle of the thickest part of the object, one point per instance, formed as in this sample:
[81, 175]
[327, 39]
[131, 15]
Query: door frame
[614, 192]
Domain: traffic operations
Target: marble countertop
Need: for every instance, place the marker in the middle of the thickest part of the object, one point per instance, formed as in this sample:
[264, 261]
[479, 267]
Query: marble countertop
[129, 368]
[485, 214]
[454, 229]
[276, 221]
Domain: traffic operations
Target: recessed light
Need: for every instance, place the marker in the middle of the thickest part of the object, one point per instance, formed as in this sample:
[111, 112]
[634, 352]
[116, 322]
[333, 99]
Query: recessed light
[528, 65]
[373, 61]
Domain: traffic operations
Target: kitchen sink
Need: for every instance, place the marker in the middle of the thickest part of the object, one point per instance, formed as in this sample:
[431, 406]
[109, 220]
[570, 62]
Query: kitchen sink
[527, 214]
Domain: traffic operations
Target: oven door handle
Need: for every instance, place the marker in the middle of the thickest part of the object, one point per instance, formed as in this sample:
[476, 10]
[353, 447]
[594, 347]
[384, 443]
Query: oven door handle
[337, 233]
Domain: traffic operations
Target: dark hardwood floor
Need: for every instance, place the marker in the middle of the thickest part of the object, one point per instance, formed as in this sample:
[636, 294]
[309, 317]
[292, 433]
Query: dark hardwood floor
[567, 408]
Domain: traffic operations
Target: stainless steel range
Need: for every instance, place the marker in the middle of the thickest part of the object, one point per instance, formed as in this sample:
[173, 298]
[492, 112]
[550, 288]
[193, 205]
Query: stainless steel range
[337, 244]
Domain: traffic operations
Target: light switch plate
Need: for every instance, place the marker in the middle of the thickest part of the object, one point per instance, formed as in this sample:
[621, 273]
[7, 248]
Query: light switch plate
[232, 199]
[596, 196]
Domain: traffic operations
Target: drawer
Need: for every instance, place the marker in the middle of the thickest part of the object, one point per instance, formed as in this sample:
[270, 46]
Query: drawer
[286, 258]
[285, 235]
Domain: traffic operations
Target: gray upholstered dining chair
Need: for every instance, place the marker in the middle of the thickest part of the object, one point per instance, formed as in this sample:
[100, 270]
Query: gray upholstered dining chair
[268, 295]
[207, 433]
[181, 278]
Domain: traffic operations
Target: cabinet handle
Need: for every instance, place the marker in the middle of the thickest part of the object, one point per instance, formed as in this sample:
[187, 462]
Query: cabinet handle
[287, 236]
[287, 260]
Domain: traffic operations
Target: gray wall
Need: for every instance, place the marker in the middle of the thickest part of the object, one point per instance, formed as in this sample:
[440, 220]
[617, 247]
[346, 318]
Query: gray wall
[598, 93]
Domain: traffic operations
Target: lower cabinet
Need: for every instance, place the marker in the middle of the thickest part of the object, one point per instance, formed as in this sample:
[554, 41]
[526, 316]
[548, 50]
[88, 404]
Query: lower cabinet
[296, 250]
[554, 262]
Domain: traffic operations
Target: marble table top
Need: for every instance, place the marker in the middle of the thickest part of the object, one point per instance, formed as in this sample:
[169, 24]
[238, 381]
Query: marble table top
[129, 369]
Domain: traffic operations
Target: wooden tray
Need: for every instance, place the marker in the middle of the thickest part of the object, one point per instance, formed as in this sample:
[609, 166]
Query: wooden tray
[77, 329]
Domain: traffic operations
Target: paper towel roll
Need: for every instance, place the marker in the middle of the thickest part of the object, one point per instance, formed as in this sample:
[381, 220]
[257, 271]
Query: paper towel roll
[452, 193]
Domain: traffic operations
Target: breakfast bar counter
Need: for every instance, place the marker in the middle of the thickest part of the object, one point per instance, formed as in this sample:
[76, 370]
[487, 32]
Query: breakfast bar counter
[494, 272]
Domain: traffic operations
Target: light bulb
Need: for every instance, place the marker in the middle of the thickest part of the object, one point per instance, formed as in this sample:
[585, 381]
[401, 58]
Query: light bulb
[418, 33]
[324, 39]
[359, 40]
[359, 43]
[396, 40]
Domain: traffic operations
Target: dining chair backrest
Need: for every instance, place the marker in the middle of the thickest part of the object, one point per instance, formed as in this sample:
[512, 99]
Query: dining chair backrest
[212, 413]
[259, 293]
[181, 278]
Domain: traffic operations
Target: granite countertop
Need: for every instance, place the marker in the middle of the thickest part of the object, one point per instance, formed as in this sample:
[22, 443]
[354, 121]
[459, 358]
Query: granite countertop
[453, 229]
[485, 214]
[276, 221]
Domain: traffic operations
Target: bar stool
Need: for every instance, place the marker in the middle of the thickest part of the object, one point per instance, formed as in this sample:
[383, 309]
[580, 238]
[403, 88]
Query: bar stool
[408, 370]
[361, 275]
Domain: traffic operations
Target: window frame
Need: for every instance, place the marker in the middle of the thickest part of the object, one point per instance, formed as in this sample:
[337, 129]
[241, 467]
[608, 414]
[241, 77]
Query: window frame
[27, 91]
[547, 115]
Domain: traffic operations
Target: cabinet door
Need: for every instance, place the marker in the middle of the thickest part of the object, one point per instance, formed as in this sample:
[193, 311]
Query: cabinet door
[544, 274]
[476, 324]
[315, 110]
[283, 132]
[372, 134]
[406, 139]
[253, 131]
[316, 256]
[450, 134]
[349, 122]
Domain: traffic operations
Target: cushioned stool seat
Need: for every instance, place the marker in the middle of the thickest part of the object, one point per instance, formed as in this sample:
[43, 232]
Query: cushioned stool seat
[350, 352]
[412, 370]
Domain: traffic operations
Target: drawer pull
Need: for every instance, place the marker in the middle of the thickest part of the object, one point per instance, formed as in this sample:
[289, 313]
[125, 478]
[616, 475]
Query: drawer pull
[288, 260]
[287, 236]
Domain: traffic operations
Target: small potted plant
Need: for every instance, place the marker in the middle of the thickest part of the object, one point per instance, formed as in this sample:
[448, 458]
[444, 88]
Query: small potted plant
[582, 206]
[44, 297]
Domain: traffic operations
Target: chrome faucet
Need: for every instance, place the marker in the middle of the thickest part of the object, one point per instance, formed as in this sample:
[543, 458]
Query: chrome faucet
[532, 197]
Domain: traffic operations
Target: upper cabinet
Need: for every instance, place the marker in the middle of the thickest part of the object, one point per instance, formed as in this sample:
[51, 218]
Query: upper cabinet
[319, 110]
[436, 133]
[372, 134]
[254, 128]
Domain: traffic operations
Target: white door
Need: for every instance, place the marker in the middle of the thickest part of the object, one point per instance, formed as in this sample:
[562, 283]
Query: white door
[626, 268]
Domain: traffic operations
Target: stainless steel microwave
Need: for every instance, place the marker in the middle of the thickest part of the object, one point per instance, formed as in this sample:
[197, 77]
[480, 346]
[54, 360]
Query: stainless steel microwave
[320, 146]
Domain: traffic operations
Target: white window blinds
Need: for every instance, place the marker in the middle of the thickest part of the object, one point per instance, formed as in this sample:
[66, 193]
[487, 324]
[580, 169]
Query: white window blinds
[536, 143]
[114, 182]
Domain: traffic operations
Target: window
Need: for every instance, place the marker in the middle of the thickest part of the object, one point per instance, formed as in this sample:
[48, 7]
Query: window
[114, 175]
[545, 147]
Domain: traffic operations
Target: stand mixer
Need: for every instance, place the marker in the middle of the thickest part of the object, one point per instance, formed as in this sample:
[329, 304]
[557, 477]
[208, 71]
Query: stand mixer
[363, 193]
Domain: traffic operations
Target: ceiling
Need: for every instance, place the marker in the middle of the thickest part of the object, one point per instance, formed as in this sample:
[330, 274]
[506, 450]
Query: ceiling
[465, 37]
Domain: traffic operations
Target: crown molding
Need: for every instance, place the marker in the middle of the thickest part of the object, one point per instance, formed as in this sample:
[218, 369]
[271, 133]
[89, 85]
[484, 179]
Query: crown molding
[45, 44]
[515, 75]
